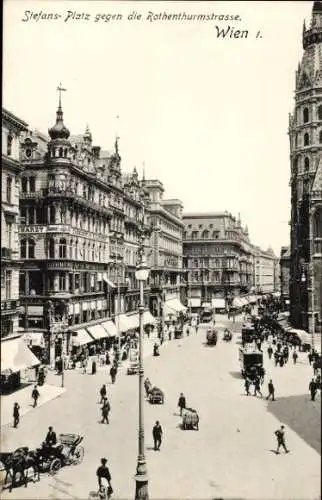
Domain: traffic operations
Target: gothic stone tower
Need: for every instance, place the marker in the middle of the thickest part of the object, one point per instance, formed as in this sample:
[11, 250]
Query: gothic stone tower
[305, 133]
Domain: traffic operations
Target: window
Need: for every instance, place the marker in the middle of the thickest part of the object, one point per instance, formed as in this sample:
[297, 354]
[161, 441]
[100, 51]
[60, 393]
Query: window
[320, 137]
[31, 212]
[320, 112]
[24, 182]
[62, 281]
[51, 248]
[62, 248]
[32, 184]
[8, 284]
[306, 139]
[9, 234]
[27, 248]
[305, 115]
[9, 189]
[306, 164]
[9, 145]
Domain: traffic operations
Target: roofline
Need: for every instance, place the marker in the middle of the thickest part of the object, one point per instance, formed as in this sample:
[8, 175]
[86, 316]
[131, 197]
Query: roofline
[10, 116]
[206, 215]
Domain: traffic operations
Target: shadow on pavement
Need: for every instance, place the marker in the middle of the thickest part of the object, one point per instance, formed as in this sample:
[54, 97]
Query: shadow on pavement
[236, 375]
[301, 415]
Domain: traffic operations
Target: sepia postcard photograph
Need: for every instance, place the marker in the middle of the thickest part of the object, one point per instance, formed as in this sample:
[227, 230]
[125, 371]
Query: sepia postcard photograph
[161, 250]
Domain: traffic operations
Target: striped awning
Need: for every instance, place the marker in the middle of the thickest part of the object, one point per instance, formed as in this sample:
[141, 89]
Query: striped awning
[81, 337]
[148, 319]
[110, 328]
[97, 331]
[16, 356]
[174, 305]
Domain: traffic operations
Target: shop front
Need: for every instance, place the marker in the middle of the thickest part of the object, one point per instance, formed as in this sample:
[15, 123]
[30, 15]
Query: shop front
[16, 359]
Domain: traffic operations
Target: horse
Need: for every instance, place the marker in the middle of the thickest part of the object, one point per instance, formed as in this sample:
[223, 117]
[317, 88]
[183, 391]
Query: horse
[19, 462]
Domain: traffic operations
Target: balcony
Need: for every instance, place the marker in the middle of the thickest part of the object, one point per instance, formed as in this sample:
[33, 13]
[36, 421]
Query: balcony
[68, 193]
[35, 194]
[9, 306]
[131, 221]
[6, 253]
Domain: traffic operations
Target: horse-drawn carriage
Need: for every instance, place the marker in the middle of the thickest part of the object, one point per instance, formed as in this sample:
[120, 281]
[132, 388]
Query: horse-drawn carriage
[227, 335]
[190, 419]
[44, 459]
[67, 452]
[156, 396]
[212, 336]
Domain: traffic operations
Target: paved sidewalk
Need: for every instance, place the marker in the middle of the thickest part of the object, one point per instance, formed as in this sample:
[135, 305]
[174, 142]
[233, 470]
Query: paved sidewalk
[23, 398]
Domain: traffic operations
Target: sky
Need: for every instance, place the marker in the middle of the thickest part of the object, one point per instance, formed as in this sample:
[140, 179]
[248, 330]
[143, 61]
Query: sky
[208, 116]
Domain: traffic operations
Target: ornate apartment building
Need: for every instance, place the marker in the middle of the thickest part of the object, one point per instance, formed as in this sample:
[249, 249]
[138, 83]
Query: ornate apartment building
[12, 127]
[167, 276]
[305, 134]
[78, 237]
[284, 275]
[218, 256]
[265, 271]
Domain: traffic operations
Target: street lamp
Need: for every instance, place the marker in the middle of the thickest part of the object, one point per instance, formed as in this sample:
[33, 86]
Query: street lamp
[141, 477]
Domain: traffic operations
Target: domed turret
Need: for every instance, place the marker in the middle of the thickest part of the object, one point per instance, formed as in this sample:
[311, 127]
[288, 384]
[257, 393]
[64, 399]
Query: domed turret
[59, 131]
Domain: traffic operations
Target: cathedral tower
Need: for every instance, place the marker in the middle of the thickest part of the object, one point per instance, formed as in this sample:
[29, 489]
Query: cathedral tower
[305, 133]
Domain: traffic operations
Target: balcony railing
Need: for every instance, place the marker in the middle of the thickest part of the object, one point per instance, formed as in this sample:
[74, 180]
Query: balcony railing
[9, 305]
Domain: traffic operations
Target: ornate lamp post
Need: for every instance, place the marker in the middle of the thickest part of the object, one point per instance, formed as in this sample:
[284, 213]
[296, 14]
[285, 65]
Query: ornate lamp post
[141, 477]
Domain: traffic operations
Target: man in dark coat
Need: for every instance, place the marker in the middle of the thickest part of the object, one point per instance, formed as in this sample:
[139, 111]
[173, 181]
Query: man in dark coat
[181, 403]
[51, 438]
[105, 411]
[16, 415]
[157, 435]
[113, 372]
[294, 356]
[271, 390]
[247, 386]
[257, 387]
[313, 389]
[280, 435]
[103, 472]
[102, 393]
[270, 351]
[35, 395]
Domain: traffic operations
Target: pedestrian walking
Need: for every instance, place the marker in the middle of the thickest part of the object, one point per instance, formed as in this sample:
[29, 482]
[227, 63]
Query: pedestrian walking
[271, 390]
[104, 473]
[247, 386]
[261, 373]
[113, 372]
[105, 411]
[157, 435]
[270, 351]
[315, 367]
[276, 357]
[102, 393]
[294, 356]
[313, 389]
[16, 415]
[280, 435]
[257, 388]
[181, 403]
[35, 395]
[310, 357]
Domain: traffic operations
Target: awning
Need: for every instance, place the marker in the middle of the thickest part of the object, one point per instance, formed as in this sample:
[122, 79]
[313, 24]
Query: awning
[174, 305]
[304, 336]
[34, 339]
[218, 303]
[82, 337]
[109, 283]
[97, 331]
[16, 356]
[237, 302]
[194, 302]
[252, 299]
[124, 322]
[110, 328]
[148, 319]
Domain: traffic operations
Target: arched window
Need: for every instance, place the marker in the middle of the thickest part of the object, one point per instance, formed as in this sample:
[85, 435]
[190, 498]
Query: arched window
[306, 139]
[71, 248]
[31, 248]
[60, 152]
[205, 234]
[52, 214]
[305, 115]
[76, 249]
[100, 253]
[93, 252]
[320, 137]
[320, 112]
[65, 153]
[62, 248]
[84, 251]
[51, 248]
[88, 251]
[306, 164]
[23, 249]
[295, 166]
[9, 145]
[27, 249]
